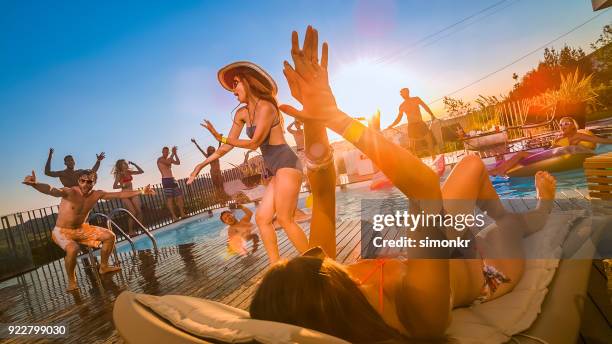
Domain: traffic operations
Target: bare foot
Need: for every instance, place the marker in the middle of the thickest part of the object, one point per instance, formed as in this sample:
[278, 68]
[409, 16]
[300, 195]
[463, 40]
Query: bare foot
[72, 286]
[546, 185]
[107, 269]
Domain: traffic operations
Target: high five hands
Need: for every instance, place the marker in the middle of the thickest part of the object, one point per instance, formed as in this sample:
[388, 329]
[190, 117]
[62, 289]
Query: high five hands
[308, 80]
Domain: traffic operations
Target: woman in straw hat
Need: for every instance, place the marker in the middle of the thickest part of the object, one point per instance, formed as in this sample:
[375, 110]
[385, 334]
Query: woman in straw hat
[256, 89]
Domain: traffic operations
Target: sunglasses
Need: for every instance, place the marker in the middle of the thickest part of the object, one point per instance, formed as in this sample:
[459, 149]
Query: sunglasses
[564, 124]
[86, 181]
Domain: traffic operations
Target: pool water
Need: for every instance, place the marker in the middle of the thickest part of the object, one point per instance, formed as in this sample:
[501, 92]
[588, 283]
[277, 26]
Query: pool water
[348, 203]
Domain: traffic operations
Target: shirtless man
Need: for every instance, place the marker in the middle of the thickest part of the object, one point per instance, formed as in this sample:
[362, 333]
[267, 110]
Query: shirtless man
[171, 189]
[239, 231]
[69, 176]
[298, 136]
[215, 171]
[71, 229]
[417, 129]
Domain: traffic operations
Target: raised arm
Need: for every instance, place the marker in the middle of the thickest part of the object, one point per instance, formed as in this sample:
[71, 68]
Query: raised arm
[44, 188]
[322, 178]
[407, 172]
[199, 148]
[248, 214]
[221, 151]
[138, 169]
[48, 171]
[99, 158]
[174, 159]
[422, 103]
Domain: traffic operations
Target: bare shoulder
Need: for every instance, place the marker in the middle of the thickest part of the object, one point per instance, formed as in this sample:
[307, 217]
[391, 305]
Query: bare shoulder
[265, 105]
[242, 112]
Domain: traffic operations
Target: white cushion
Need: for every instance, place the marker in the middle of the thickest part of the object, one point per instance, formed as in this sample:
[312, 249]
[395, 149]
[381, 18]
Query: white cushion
[214, 320]
[498, 320]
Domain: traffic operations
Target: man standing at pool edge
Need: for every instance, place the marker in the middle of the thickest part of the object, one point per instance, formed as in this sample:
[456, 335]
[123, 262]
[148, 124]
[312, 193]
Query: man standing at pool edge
[71, 228]
[171, 188]
[417, 129]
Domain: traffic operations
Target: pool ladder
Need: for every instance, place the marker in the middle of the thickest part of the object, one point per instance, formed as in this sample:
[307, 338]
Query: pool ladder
[144, 229]
[110, 223]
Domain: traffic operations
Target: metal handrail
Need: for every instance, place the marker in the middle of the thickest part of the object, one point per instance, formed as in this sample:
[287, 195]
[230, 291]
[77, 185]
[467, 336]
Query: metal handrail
[146, 231]
[110, 223]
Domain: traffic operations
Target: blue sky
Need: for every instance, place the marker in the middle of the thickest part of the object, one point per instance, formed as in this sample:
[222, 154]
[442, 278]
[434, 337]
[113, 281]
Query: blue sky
[130, 78]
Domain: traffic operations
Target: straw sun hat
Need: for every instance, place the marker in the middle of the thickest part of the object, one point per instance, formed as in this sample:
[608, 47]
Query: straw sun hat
[227, 73]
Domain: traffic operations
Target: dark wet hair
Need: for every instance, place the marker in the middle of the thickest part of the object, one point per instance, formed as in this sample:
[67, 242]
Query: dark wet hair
[223, 213]
[320, 295]
[68, 157]
[165, 147]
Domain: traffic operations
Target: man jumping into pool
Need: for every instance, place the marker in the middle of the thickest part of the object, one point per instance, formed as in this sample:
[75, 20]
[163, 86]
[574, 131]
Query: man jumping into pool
[69, 176]
[417, 129]
[173, 193]
[239, 231]
[71, 228]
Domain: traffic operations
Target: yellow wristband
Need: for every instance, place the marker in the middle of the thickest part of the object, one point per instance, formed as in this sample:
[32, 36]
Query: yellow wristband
[223, 139]
[353, 132]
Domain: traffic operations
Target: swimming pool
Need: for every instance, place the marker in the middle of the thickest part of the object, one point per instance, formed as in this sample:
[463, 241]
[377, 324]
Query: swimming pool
[204, 227]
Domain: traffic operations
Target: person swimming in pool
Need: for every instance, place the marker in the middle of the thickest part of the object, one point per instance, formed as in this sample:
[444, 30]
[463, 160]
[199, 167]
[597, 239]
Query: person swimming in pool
[69, 176]
[569, 135]
[256, 89]
[239, 231]
[71, 228]
[123, 180]
[391, 300]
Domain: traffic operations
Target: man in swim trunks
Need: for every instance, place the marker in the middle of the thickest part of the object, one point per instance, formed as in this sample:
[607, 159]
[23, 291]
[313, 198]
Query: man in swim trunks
[239, 231]
[171, 188]
[417, 128]
[69, 176]
[71, 228]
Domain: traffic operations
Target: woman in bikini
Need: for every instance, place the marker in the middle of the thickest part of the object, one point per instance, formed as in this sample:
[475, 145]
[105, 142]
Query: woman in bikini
[391, 300]
[257, 90]
[123, 180]
[569, 135]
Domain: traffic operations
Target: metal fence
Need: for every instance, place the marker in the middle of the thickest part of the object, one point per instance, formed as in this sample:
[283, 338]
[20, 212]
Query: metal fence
[25, 237]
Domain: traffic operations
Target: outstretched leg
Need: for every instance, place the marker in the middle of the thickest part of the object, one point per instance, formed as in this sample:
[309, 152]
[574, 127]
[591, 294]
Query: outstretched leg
[502, 168]
[72, 250]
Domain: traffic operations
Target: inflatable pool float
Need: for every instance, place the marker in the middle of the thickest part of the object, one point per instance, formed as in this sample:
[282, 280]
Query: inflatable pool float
[380, 181]
[552, 160]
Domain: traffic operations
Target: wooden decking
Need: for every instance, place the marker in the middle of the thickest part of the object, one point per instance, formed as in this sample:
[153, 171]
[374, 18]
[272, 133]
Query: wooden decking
[205, 270]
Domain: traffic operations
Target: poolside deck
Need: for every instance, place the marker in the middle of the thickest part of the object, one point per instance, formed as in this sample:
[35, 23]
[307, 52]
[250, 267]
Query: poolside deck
[205, 270]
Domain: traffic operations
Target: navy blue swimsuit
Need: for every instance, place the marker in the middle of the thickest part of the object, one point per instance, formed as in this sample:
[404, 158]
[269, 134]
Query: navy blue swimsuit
[276, 156]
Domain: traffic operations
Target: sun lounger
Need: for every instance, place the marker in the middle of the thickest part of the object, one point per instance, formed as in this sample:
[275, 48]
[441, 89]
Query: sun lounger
[526, 311]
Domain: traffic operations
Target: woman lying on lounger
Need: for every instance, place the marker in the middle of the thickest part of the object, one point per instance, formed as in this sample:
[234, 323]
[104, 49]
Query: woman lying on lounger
[391, 300]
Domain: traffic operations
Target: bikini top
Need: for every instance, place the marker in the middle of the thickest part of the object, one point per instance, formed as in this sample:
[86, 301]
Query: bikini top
[250, 130]
[127, 179]
[380, 263]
